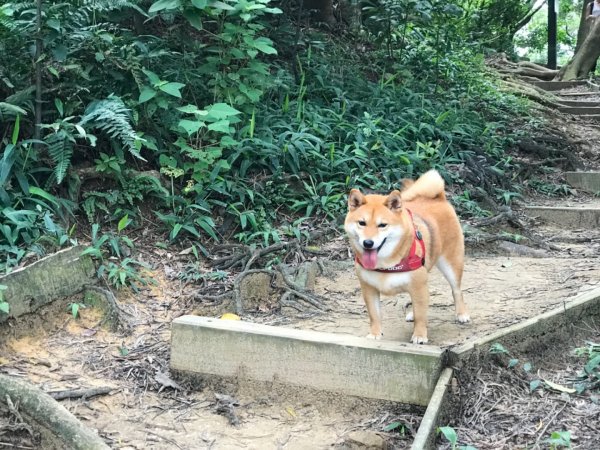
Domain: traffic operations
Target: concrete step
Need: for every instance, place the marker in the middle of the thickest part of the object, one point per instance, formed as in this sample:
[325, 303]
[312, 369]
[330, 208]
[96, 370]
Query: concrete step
[568, 217]
[580, 110]
[334, 362]
[575, 103]
[559, 85]
[576, 94]
[586, 181]
[593, 117]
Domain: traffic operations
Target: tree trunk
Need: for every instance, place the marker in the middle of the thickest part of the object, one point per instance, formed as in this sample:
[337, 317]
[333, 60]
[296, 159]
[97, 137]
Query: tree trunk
[585, 58]
[584, 25]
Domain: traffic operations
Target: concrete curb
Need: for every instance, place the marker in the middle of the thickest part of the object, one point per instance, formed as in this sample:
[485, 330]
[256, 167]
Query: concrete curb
[543, 327]
[559, 85]
[586, 181]
[344, 364]
[434, 414]
[568, 217]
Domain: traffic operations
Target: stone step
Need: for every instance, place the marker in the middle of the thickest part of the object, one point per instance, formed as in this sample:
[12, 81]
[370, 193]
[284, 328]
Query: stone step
[576, 94]
[575, 103]
[593, 117]
[568, 217]
[559, 85]
[586, 181]
[580, 110]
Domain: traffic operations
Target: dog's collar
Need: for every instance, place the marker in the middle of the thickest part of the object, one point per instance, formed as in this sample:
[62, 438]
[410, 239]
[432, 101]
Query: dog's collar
[412, 261]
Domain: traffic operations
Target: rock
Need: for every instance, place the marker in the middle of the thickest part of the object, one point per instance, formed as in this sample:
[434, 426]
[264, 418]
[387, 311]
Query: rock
[365, 440]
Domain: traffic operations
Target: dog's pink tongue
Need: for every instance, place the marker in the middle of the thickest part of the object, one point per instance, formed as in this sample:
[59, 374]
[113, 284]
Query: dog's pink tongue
[369, 259]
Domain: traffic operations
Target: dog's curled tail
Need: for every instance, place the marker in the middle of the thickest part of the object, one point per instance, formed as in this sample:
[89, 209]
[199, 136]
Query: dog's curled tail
[429, 185]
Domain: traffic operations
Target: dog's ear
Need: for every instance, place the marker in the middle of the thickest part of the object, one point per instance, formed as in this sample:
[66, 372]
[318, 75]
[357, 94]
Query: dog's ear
[355, 199]
[394, 201]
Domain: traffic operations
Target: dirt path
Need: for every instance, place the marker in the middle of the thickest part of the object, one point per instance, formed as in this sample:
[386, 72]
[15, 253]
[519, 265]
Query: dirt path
[146, 412]
[499, 290]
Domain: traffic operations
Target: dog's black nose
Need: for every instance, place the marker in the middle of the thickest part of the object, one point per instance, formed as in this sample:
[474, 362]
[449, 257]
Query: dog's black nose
[368, 243]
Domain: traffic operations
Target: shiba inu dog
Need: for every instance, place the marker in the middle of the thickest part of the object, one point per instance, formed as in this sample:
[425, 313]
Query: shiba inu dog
[397, 239]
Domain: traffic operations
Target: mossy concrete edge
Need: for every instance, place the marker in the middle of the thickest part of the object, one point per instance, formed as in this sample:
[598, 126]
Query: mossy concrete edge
[59, 275]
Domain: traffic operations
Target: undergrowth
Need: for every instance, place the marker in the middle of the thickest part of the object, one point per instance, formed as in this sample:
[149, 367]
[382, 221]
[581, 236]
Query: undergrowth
[234, 120]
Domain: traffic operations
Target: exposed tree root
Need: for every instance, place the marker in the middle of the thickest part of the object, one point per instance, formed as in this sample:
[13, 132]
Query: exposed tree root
[303, 296]
[543, 98]
[522, 68]
[244, 257]
[508, 216]
[535, 146]
[116, 315]
[505, 216]
[38, 407]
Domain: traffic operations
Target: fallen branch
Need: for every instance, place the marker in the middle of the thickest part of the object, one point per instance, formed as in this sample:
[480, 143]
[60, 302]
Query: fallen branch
[83, 394]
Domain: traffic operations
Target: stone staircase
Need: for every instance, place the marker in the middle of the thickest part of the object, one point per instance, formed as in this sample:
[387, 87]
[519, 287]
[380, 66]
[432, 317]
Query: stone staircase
[576, 214]
[579, 98]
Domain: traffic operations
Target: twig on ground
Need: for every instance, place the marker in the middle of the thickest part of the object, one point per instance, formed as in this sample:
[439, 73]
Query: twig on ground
[548, 423]
[81, 393]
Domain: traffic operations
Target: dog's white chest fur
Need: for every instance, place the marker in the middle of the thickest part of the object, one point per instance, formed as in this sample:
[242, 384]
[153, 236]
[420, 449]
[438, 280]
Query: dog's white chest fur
[385, 282]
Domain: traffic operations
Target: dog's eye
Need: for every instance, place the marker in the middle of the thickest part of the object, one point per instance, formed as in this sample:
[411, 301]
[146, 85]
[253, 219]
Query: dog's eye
[382, 225]
[362, 223]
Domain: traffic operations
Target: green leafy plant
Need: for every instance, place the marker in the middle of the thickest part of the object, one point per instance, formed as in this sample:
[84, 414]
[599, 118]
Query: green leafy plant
[589, 377]
[559, 439]
[4, 305]
[255, 120]
[106, 246]
[396, 427]
[450, 434]
[502, 353]
[74, 308]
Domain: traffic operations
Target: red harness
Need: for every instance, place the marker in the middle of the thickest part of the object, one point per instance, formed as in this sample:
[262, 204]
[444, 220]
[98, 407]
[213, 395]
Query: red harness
[412, 261]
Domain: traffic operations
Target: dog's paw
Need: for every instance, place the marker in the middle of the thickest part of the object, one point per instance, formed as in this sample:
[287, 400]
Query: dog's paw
[418, 339]
[463, 318]
[377, 337]
[410, 317]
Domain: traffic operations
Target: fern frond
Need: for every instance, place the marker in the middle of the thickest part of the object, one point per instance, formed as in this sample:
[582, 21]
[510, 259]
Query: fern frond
[112, 117]
[60, 149]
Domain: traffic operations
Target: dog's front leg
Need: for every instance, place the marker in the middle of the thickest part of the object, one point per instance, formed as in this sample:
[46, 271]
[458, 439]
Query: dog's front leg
[420, 300]
[371, 298]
